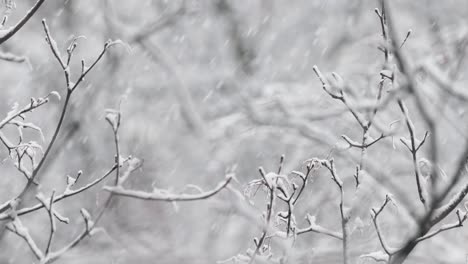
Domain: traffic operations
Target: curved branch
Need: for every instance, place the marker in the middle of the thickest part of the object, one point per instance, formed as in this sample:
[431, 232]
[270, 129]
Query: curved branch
[164, 195]
[12, 31]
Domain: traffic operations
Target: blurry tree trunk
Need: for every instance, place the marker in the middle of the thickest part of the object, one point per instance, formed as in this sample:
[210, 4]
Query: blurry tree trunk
[189, 111]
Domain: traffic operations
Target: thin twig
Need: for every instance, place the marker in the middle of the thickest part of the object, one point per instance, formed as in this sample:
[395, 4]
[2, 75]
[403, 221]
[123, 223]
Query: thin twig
[413, 148]
[341, 96]
[113, 118]
[58, 198]
[374, 214]
[269, 212]
[329, 164]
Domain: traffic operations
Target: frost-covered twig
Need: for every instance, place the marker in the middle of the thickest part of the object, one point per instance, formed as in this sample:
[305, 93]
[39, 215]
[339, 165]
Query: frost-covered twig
[392, 253]
[365, 125]
[88, 230]
[374, 214]
[269, 180]
[411, 85]
[15, 112]
[413, 146]
[167, 195]
[314, 227]
[442, 212]
[424, 223]
[311, 164]
[67, 193]
[364, 145]
[113, 118]
[340, 95]
[289, 197]
[17, 227]
[70, 88]
[285, 189]
[65, 63]
[48, 255]
[23, 149]
[5, 34]
[48, 205]
[330, 165]
[462, 216]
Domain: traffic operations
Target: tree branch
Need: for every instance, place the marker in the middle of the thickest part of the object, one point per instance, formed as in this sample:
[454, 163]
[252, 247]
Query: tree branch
[12, 31]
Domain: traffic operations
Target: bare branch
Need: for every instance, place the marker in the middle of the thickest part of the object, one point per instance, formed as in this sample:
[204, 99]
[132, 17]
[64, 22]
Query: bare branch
[68, 193]
[355, 144]
[17, 227]
[269, 212]
[461, 218]
[374, 214]
[310, 165]
[12, 31]
[329, 164]
[166, 195]
[70, 88]
[339, 96]
[35, 103]
[88, 230]
[313, 227]
[113, 118]
[49, 207]
[413, 147]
